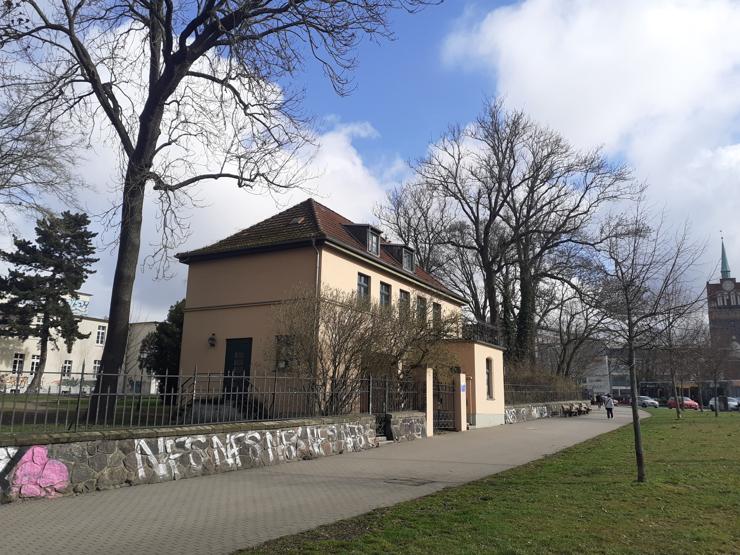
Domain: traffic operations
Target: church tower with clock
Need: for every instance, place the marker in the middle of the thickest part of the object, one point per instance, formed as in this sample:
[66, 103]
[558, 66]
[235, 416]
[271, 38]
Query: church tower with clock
[723, 304]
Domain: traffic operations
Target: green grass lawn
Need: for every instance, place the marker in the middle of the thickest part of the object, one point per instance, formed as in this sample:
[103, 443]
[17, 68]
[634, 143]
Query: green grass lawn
[584, 499]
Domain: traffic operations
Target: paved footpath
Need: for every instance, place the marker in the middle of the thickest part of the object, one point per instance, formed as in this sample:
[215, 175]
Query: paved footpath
[225, 512]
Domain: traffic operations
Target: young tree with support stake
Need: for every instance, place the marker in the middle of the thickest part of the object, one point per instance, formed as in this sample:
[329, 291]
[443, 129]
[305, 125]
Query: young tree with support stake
[188, 91]
[34, 296]
[641, 265]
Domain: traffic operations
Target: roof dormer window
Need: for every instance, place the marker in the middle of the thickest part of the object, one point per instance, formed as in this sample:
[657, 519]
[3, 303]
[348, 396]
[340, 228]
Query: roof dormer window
[373, 243]
[408, 260]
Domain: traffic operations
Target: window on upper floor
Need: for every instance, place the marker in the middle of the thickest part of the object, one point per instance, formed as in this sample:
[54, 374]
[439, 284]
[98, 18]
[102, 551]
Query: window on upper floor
[18, 360]
[67, 368]
[363, 287]
[100, 336]
[373, 243]
[436, 315]
[385, 294]
[404, 302]
[421, 309]
[408, 260]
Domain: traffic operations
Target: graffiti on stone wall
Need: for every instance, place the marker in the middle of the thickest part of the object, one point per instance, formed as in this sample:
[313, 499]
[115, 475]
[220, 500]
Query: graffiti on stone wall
[407, 427]
[171, 458]
[512, 415]
[35, 474]
[80, 467]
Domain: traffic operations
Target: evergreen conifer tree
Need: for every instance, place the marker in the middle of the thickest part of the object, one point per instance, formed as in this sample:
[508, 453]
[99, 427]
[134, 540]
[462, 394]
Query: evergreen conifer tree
[44, 276]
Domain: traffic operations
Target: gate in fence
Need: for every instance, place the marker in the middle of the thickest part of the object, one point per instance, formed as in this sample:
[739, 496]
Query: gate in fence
[444, 406]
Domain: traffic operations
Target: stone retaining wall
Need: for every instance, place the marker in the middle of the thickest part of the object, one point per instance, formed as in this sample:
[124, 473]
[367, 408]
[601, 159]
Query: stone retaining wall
[522, 413]
[63, 464]
[406, 426]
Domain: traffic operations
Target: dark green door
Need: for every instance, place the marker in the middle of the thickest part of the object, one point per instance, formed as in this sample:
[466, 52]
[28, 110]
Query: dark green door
[238, 364]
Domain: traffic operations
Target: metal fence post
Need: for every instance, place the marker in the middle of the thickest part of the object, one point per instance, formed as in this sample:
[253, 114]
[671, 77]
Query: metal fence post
[386, 394]
[79, 395]
[370, 395]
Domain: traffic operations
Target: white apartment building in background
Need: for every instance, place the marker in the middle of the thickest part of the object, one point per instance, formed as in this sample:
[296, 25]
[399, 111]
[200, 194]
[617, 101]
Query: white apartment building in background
[64, 370]
[67, 372]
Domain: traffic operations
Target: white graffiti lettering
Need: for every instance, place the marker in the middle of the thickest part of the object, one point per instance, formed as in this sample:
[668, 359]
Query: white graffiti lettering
[254, 447]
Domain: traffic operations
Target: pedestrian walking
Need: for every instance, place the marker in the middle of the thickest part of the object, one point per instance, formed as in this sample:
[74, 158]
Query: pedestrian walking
[609, 404]
[599, 401]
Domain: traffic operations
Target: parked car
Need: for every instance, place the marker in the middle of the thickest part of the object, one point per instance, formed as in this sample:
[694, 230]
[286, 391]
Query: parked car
[645, 401]
[732, 403]
[686, 403]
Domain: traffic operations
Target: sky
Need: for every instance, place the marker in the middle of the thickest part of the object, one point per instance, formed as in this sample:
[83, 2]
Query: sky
[657, 84]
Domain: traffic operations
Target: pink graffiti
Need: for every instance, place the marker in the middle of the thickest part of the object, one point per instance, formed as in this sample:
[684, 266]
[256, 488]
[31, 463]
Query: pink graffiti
[39, 476]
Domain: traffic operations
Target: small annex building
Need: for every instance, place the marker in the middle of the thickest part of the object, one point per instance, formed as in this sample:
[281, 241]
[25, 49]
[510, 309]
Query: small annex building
[235, 284]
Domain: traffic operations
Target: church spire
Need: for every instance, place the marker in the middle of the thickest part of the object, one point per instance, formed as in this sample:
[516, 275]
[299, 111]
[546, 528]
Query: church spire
[725, 264]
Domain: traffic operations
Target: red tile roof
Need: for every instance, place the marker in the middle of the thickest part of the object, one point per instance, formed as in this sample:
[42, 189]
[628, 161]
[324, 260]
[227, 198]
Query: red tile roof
[300, 224]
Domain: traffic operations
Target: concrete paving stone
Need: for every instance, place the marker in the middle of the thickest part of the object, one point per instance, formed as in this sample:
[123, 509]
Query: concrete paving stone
[224, 512]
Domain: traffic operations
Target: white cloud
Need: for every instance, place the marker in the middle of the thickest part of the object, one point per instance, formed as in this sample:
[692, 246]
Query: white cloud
[342, 181]
[655, 82]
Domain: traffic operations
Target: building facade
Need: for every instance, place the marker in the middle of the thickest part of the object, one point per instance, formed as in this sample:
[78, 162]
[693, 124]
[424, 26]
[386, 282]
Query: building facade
[235, 285]
[723, 310]
[134, 378]
[65, 371]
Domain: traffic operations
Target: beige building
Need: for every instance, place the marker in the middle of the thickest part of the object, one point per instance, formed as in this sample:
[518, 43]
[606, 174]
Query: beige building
[235, 284]
[134, 378]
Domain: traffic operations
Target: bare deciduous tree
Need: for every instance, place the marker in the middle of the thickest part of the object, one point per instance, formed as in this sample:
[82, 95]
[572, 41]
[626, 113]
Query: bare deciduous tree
[35, 168]
[578, 324]
[337, 339]
[419, 219]
[522, 204]
[641, 265]
[189, 91]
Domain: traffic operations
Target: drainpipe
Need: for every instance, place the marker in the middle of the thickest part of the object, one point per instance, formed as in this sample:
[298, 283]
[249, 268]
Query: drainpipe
[318, 287]
[318, 267]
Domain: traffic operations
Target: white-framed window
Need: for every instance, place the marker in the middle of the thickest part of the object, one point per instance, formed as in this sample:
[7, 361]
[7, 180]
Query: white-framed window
[66, 368]
[18, 360]
[385, 294]
[96, 367]
[421, 309]
[35, 361]
[436, 315]
[408, 260]
[373, 243]
[363, 287]
[100, 336]
[404, 302]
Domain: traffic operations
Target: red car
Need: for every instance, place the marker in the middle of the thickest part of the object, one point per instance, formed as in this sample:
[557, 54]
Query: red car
[686, 403]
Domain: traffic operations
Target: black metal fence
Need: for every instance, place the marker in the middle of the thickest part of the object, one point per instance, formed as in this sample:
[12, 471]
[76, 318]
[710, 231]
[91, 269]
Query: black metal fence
[473, 330]
[525, 394]
[62, 403]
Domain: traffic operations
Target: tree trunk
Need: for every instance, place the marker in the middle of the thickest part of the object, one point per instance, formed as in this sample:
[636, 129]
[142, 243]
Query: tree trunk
[716, 398]
[36, 381]
[639, 456]
[106, 381]
[525, 334]
[675, 394]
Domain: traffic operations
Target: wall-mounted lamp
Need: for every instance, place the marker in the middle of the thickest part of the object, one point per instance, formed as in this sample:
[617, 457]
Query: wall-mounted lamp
[212, 340]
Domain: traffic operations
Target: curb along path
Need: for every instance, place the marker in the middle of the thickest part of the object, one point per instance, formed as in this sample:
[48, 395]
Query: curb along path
[225, 512]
